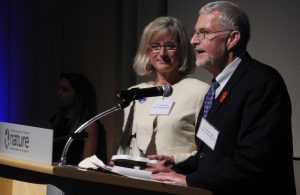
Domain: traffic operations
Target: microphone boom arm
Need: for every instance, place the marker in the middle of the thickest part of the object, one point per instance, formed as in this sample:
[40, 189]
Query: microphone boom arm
[63, 157]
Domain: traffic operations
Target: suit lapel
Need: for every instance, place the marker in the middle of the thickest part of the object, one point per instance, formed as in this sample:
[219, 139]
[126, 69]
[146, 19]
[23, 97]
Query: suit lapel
[225, 93]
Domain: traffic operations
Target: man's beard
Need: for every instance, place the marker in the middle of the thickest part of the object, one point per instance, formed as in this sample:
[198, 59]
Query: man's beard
[214, 62]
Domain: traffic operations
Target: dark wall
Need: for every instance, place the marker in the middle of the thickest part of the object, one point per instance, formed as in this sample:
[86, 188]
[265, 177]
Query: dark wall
[46, 38]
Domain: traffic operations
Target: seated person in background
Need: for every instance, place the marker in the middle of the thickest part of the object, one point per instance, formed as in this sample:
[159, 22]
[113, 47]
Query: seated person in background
[166, 56]
[76, 99]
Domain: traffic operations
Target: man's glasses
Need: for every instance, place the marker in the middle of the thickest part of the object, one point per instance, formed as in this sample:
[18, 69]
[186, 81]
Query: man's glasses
[169, 47]
[203, 34]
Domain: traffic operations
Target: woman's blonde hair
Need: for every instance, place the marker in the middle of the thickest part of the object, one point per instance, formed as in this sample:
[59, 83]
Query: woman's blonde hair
[185, 53]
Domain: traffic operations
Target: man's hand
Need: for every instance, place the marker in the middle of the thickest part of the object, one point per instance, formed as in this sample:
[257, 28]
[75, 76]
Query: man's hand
[161, 172]
[179, 179]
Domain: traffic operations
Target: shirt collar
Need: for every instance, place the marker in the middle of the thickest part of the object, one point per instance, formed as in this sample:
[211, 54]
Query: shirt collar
[226, 73]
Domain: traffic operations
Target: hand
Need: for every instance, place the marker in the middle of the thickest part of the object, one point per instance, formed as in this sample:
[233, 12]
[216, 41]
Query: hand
[161, 166]
[111, 163]
[163, 159]
[156, 168]
[170, 176]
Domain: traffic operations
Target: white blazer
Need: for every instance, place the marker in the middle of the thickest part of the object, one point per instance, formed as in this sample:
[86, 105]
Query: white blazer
[172, 134]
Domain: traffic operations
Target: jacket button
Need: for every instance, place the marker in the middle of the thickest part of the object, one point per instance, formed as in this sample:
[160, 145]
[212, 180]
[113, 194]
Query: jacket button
[201, 155]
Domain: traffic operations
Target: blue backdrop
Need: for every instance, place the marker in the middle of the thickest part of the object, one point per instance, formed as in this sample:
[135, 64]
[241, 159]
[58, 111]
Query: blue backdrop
[4, 60]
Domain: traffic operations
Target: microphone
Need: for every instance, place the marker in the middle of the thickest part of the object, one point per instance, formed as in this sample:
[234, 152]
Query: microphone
[137, 93]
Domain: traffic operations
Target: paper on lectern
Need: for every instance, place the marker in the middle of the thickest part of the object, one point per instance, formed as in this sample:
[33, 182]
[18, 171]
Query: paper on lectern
[93, 162]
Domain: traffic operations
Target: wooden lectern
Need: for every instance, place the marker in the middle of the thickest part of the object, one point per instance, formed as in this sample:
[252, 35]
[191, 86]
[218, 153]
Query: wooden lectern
[73, 181]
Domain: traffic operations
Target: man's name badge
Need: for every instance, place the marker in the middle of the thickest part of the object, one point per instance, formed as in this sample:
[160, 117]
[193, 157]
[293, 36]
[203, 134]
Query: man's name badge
[161, 107]
[207, 133]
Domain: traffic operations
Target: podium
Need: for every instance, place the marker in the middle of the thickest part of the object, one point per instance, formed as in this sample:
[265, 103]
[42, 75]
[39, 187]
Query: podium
[73, 181]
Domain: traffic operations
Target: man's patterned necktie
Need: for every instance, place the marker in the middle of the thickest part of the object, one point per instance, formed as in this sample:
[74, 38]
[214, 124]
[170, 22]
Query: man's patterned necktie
[210, 97]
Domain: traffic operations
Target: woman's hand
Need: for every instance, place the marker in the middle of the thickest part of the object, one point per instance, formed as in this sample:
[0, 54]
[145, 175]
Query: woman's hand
[163, 159]
[111, 163]
[162, 165]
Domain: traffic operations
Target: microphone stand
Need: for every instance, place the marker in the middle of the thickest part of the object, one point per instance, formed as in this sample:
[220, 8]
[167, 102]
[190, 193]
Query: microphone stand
[123, 104]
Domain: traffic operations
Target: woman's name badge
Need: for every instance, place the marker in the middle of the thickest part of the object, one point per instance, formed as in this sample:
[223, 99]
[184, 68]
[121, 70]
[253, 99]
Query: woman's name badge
[161, 107]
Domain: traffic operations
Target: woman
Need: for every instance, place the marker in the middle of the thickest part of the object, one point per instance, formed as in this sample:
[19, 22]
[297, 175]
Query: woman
[76, 100]
[166, 56]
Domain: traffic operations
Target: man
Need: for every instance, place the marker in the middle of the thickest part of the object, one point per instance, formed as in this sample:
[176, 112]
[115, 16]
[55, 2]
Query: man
[244, 137]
